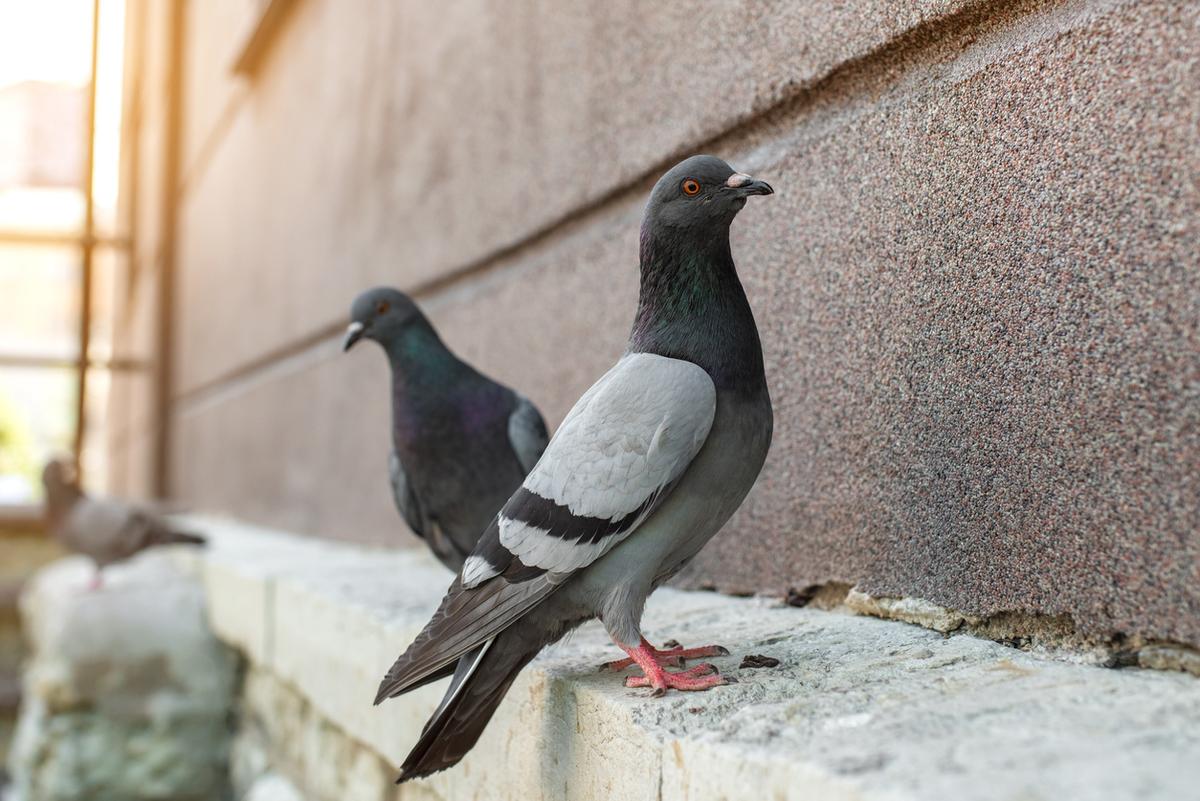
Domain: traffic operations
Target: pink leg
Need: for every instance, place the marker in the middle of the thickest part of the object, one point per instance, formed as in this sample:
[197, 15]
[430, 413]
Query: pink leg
[669, 657]
[701, 677]
[97, 581]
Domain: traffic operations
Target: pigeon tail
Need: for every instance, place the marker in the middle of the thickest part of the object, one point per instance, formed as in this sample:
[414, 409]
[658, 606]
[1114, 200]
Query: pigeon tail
[179, 538]
[480, 683]
[464, 622]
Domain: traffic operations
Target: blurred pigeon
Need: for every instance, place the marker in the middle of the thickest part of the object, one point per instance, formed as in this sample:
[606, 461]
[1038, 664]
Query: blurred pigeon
[461, 443]
[648, 465]
[104, 529]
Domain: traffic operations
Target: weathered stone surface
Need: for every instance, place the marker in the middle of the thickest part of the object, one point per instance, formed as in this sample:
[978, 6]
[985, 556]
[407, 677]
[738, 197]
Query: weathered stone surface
[127, 693]
[284, 744]
[271, 787]
[1170, 657]
[859, 708]
[908, 610]
[24, 547]
[404, 156]
[329, 468]
[997, 410]
[978, 291]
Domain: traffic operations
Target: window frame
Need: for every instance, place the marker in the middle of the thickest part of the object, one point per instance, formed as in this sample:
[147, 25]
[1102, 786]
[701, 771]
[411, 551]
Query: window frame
[86, 241]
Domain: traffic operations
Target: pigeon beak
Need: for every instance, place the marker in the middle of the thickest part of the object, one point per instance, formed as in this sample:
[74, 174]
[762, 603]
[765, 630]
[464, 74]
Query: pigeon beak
[354, 332]
[744, 185]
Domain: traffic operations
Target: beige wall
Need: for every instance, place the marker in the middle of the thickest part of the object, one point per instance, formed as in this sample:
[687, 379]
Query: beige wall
[132, 429]
[977, 284]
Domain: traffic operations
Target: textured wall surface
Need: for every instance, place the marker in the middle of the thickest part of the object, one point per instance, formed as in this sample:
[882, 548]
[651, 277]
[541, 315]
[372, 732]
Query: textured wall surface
[978, 283]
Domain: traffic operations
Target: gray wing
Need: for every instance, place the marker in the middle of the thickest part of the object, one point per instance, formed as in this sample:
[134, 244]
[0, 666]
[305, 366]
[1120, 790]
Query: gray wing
[109, 530]
[406, 501]
[527, 433]
[99, 529]
[447, 552]
[618, 452]
[610, 464]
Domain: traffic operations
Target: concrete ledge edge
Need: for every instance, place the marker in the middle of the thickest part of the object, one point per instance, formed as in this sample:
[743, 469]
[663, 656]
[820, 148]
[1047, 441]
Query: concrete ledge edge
[858, 708]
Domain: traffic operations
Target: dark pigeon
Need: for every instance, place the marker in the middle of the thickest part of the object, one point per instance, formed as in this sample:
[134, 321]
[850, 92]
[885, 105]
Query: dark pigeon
[104, 529]
[461, 443]
[646, 468]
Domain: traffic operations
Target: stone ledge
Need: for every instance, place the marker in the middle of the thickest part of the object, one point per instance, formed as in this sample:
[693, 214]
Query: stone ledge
[859, 708]
[127, 693]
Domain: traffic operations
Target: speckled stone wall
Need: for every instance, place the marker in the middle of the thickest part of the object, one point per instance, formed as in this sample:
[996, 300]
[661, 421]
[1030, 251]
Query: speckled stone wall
[978, 283]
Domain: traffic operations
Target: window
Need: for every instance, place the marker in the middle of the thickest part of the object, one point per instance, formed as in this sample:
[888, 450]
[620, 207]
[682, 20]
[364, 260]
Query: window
[62, 258]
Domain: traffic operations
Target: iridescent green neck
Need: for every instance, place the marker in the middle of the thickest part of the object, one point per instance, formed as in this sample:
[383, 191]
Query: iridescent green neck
[692, 306]
[421, 364]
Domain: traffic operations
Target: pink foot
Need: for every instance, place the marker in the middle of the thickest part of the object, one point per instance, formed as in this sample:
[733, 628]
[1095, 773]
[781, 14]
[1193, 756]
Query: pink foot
[672, 656]
[701, 677]
[689, 679]
[97, 581]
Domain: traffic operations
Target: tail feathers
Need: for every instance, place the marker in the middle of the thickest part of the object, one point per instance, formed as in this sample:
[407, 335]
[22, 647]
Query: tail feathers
[163, 536]
[180, 538]
[465, 620]
[480, 682]
[436, 675]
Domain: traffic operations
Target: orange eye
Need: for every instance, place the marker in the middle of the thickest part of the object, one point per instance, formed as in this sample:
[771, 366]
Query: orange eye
[691, 187]
[382, 307]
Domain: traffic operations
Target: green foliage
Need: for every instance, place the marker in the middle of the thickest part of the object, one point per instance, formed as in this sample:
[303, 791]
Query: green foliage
[16, 442]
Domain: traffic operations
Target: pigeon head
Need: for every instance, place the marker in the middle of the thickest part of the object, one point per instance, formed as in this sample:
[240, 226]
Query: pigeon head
[691, 304]
[57, 473]
[381, 314]
[697, 194]
[61, 481]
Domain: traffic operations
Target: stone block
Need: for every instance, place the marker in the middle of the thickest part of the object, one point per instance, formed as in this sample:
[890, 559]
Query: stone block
[128, 695]
[272, 787]
[857, 708]
[337, 636]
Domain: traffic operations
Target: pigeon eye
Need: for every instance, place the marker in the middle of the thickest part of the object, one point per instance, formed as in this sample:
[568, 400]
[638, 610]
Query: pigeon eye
[382, 307]
[691, 187]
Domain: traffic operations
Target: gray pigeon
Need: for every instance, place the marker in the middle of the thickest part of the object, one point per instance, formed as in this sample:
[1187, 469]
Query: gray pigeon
[646, 468]
[104, 529]
[461, 443]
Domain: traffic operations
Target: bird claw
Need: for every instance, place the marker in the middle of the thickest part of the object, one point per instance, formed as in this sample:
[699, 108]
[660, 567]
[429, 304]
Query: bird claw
[701, 677]
[672, 655]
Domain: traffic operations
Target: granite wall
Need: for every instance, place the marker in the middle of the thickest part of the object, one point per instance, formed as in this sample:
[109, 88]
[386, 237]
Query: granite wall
[978, 283]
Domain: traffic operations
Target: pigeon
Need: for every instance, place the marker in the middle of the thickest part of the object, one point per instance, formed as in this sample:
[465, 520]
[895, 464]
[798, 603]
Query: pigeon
[103, 529]
[648, 465]
[461, 443]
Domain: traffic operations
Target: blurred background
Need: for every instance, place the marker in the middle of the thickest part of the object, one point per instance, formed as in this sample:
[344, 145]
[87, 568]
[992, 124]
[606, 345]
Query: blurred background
[64, 272]
[64, 262]
[978, 284]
